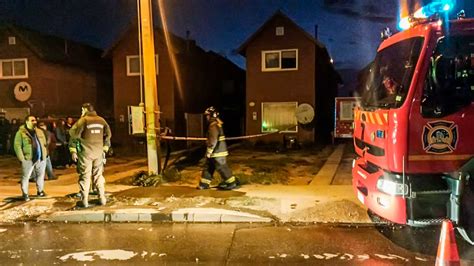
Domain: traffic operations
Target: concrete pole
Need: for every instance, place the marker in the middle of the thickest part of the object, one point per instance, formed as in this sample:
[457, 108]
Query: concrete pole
[152, 109]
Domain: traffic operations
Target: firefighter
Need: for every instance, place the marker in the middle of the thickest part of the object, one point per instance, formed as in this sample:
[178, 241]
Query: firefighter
[216, 154]
[90, 140]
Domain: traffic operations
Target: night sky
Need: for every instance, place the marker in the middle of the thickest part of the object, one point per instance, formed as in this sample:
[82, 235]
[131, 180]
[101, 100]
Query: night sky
[349, 29]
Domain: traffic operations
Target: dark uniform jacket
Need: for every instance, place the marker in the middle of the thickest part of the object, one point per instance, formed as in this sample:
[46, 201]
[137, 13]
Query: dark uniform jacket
[24, 143]
[216, 146]
[90, 136]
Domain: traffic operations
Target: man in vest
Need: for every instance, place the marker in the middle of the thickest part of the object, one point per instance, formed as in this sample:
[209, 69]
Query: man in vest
[31, 149]
[216, 154]
[90, 140]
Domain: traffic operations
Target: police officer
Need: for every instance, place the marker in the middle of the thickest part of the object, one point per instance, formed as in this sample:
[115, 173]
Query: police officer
[90, 140]
[216, 154]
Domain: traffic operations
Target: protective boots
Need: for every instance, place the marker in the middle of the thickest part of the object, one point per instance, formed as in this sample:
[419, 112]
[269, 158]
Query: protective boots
[229, 184]
[102, 199]
[101, 193]
[85, 202]
[202, 186]
[204, 183]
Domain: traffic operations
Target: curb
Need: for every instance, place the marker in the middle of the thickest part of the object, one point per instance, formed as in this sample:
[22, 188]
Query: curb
[204, 215]
[216, 215]
[327, 172]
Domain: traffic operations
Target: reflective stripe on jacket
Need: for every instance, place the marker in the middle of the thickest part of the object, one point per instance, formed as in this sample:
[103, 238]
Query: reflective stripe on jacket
[216, 146]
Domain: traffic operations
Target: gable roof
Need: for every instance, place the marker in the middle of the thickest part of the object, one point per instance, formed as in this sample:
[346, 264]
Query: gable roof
[278, 13]
[55, 49]
[224, 60]
[179, 43]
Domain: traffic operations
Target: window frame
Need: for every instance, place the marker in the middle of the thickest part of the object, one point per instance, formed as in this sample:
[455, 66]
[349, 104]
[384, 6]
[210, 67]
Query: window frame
[263, 116]
[280, 31]
[392, 61]
[11, 40]
[132, 74]
[265, 69]
[13, 76]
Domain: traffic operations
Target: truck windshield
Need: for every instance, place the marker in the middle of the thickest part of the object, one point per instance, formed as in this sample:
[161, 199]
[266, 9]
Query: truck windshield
[389, 76]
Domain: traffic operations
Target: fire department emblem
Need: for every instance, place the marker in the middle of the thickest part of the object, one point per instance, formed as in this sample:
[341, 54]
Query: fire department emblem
[440, 137]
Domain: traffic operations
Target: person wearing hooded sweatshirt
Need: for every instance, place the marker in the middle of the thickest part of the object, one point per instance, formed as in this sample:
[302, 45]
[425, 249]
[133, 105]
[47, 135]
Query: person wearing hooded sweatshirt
[31, 150]
[89, 141]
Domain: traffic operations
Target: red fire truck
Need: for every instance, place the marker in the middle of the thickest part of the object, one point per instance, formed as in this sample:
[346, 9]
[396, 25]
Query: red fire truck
[414, 127]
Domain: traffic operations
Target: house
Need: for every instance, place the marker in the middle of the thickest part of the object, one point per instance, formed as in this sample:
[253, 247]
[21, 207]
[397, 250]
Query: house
[200, 79]
[47, 75]
[290, 79]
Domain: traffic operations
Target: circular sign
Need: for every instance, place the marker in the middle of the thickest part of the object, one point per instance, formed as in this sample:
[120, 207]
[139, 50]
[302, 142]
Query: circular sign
[304, 113]
[440, 137]
[22, 91]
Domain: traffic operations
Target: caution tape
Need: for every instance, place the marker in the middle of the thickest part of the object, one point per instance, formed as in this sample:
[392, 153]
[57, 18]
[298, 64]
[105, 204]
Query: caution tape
[227, 138]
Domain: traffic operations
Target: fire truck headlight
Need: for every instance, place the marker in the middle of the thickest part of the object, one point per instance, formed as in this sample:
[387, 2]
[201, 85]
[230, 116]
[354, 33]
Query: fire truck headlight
[391, 187]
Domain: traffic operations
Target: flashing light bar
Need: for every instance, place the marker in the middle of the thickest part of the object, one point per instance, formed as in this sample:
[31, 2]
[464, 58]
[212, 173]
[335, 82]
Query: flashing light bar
[437, 6]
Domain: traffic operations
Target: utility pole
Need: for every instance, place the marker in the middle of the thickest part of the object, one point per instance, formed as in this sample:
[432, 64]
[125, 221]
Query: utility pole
[152, 109]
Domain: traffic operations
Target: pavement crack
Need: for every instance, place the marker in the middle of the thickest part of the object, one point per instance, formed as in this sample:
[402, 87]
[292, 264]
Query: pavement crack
[231, 245]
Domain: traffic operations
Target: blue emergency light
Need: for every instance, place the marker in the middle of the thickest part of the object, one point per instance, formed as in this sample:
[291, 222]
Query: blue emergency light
[435, 7]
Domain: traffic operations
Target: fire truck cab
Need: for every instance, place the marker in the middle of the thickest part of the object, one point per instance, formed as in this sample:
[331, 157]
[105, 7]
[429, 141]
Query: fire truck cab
[414, 127]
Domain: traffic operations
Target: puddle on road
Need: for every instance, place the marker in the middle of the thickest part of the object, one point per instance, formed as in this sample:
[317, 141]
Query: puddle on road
[115, 254]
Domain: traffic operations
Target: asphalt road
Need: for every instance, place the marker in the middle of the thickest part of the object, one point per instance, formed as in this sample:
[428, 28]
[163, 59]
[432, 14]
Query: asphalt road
[111, 244]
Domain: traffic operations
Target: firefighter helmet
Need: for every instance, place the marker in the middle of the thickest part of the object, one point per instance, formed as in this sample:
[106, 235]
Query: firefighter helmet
[212, 112]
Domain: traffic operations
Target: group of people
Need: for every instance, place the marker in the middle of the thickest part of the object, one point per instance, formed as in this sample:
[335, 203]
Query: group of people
[7, 134]
[86, 141]
[57, 133]
[89, 141]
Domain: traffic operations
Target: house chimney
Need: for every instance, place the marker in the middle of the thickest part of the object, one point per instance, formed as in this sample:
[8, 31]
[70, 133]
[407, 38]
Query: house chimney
[316, 31]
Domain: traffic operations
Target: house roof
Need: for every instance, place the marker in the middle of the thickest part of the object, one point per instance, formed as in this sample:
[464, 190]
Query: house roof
[55, 49]
[224, 60]
[278, 13]
[179, 44]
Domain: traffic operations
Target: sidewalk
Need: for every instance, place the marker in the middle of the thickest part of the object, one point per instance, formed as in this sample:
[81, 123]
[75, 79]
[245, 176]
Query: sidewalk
[319, 202]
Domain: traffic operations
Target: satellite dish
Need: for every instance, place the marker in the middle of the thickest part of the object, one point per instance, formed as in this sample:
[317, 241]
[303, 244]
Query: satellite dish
[304, 113]
[22, 91]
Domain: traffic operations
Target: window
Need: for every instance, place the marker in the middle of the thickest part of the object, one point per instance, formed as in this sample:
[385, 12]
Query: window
[280, 60]
[14, 68]
[454, 67]
[279, 116]
[390, 74]
[133, 65]
[11, 40]
[450, 80]
[347, 110]
[280, 31]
